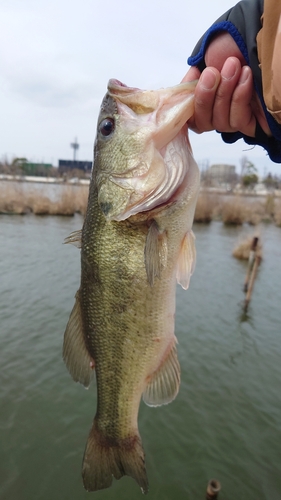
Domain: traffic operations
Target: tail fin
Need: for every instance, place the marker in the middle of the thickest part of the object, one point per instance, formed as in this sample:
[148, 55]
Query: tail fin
[104, 459]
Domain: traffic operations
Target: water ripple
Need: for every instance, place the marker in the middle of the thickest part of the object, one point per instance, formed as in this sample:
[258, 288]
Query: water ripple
[225, 422]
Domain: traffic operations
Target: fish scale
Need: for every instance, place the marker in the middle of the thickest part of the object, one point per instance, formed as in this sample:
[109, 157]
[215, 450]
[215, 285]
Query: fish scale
[136, 243]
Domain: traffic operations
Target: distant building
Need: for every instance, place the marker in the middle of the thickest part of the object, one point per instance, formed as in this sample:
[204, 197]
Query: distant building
[29, 168]
[66, 166]
[222, 173]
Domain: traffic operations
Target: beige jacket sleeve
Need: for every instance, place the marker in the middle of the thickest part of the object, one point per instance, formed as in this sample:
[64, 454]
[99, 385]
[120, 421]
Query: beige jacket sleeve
[269, 54]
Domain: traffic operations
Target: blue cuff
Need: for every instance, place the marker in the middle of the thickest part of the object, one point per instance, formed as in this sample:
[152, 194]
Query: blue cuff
[213, 30]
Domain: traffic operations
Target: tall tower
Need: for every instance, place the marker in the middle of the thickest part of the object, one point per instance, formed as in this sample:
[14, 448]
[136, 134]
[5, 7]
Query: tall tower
[75, 146]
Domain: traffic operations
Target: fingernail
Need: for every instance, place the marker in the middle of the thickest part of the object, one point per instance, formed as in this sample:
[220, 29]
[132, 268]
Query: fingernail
[208, 79]
[229, 69]
[245, 73]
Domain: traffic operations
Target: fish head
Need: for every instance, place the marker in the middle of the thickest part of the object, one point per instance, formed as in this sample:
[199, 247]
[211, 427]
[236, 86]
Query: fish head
[142, 152]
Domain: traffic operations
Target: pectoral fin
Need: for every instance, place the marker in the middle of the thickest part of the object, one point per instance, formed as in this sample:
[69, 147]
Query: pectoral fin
[187, 260]
[165, 382]
[75, 353]
[75, 238]
[155, 252]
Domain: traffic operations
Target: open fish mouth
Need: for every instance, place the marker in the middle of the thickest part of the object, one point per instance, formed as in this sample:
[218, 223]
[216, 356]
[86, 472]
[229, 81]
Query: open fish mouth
[152, 177]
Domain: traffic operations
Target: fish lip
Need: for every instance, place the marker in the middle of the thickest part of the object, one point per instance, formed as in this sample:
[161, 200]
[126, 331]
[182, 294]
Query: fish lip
[146, 101]
[114, 86]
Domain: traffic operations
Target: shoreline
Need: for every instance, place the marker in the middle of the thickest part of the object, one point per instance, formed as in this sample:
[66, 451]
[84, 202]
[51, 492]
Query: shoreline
[75, 181]
[51, 196]
[241, 192]
[44, 180]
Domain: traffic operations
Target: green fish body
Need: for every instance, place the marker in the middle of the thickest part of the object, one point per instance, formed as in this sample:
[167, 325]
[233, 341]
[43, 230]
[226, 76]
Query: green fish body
[136, 244]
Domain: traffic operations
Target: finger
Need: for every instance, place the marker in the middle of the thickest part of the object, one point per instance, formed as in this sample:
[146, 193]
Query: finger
[192, 74]
[205, 93]
[222, 47]
[241, 115]
[230, 75]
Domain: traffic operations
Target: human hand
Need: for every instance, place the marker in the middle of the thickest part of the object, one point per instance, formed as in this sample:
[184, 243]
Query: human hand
[225, 99]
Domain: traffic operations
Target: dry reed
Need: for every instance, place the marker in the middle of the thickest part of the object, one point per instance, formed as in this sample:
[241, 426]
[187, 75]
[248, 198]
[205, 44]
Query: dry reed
[234, 212]
[20, 198]
[254, 212]
[269, 206]
[14, 199]
[277, 213]
[243, 248]
[205, 207]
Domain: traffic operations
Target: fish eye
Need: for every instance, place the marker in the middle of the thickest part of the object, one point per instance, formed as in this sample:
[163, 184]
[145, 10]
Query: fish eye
[107, 126]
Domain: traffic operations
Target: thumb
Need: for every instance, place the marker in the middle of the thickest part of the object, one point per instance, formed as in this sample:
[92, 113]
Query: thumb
[192, 74]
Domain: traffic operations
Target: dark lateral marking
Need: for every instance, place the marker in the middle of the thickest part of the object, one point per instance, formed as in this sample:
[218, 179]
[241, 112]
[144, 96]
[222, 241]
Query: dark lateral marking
[105, 207]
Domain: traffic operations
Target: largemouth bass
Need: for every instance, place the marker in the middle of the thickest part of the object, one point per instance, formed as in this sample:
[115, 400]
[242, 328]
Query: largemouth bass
[136, 243]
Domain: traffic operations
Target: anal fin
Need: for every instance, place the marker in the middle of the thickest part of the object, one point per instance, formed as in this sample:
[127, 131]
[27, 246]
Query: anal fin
[75, 353]
[187, 260]
[155, 252]
[164, 384]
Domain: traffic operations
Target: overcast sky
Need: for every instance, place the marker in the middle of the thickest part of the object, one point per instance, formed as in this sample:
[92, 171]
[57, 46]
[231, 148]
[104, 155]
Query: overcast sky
[56, 57]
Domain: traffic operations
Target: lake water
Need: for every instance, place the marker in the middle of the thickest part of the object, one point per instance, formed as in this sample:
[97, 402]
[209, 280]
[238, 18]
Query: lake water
[226, 420]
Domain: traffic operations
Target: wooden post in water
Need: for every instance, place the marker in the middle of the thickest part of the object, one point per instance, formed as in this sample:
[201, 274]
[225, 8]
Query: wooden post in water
[253, 264]
[213, 489]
